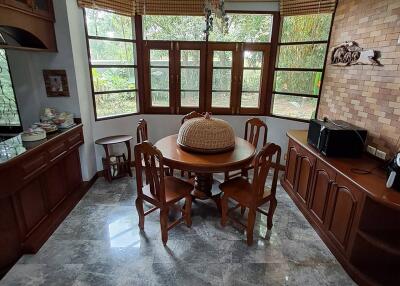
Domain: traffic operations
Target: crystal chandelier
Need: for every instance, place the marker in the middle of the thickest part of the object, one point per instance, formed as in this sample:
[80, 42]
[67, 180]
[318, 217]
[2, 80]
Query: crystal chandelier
[215, 10]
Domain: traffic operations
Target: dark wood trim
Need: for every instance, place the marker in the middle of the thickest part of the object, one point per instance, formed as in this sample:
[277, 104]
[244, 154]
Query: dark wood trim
[273, 58]
[299, 69]
[295, 94]
[140, 63]
[302, 43]
[326, 59]
[111, 39]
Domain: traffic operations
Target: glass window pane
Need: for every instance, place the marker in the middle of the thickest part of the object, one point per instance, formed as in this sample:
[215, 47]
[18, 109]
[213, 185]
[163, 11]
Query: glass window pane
[314, 27]
[173, 28]
[244, 28]
[221, 79]
[159, 58]
[190, 78]
[302, 56]
[108, 79]
[253, 59]
[190, 58]
[294, 106]
[106, 24]
[298, 82]
[221, 99]
[114, 104]
[190, 98]
[250, 100]
[8, 104]
[159, 78]
[160, 98]
[222, 59]
[111, 52]
[251, 80]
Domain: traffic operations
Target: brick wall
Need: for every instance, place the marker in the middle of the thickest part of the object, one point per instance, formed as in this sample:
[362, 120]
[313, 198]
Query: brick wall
[367, 96]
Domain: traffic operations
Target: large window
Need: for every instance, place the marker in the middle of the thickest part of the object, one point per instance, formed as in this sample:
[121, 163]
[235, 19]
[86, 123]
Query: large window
[179, 71]
[112, 61]
[226, 75]
[299, 65]
[9, 116]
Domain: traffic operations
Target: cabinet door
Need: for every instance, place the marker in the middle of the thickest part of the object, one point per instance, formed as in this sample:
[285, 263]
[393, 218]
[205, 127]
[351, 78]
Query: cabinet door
[56, 189]
[291, 162]
[305, 173]
[342, 210]
[73, 172]
[320, 192]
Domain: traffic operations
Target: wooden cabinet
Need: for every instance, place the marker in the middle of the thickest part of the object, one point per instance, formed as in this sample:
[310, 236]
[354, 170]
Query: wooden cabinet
[356, 216]
[40, 8]
[41, 186]
[321, 188]
[299, 170]
[342, 210]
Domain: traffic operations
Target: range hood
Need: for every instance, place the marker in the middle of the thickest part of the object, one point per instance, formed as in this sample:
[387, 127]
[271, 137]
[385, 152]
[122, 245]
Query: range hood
[26, 30]
[18, 38]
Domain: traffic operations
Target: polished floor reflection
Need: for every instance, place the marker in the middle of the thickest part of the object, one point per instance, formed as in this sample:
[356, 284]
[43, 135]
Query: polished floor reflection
[100, 244]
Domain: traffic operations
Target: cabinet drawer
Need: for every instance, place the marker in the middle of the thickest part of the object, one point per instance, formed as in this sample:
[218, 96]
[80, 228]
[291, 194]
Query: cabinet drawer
[34, 165]
[57, 150]
[75, 140]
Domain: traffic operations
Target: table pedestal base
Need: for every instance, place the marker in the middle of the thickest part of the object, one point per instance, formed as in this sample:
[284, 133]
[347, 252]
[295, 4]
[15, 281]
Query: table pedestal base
[205, 187]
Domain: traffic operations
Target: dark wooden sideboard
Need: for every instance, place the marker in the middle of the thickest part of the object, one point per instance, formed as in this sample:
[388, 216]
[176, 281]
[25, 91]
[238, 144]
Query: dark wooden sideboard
[38, 188]
[356, 216]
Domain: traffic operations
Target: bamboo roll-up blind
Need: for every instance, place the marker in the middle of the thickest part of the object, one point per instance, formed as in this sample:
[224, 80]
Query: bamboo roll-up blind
[124, 7]
[303, 7]
[170, 7]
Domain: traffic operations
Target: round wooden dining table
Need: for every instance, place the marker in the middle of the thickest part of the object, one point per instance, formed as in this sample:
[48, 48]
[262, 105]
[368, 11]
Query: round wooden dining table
[204, 165]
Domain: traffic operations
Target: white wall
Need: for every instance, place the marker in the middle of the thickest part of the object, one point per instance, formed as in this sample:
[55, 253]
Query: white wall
[27, 72]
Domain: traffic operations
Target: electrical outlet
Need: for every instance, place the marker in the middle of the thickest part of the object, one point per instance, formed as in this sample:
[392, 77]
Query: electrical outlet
[371, 150]
[380, 154]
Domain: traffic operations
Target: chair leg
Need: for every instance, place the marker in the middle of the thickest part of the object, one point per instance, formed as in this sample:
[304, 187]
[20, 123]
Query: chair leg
[139, 208]
[250, 225]
[224, 210]
[242, 210]
[188, 210]
[272, 207]
[164, 224]
[226, 176]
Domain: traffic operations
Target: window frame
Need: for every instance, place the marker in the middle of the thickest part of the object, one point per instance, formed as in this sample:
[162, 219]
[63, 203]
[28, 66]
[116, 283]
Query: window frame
[276, 68]
[12, 129]
[143, 98]
[135, 66]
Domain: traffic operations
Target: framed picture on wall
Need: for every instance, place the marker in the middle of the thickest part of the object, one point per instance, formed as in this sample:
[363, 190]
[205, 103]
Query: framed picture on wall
[56, 83]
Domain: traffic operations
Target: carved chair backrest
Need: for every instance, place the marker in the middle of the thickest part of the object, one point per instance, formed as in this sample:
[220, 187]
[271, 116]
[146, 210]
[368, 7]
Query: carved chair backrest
[193, 114]
[149, 162]
[141, 131]
[253, 130]
[264, 160]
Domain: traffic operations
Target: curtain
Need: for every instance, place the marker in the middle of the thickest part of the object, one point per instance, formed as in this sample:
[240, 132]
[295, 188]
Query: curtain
[302, 7]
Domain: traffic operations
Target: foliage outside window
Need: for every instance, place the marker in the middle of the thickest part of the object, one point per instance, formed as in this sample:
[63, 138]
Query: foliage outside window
[9, 116]
[112, 52]
[228, 61]
[300, 63]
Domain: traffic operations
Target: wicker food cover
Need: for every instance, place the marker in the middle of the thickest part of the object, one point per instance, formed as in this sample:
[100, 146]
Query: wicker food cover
[206, 135]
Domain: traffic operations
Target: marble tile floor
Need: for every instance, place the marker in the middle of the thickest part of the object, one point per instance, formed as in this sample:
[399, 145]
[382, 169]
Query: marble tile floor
[100, 244]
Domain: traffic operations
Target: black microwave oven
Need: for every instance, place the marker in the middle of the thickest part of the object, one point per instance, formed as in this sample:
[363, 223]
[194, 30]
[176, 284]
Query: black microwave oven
[336, 138]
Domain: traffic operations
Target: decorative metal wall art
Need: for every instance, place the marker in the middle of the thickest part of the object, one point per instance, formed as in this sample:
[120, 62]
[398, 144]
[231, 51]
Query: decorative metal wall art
[350, 53]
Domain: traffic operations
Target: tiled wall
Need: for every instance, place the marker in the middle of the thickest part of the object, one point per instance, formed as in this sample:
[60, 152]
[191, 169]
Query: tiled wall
[367, 96]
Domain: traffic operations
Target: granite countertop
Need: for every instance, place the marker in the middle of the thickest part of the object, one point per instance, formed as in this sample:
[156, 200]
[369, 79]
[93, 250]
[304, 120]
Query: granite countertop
[14, 146]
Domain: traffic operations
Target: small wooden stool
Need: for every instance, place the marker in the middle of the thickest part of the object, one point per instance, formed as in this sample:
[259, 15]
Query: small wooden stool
[116, 166]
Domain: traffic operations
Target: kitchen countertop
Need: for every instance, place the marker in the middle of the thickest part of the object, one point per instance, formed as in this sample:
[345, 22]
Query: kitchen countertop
[14, 147]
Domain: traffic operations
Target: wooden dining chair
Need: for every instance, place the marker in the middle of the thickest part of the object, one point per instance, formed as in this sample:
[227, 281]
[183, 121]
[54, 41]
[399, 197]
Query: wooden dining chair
[141, 131]
[254, 128]
[142, 135]
[191, 115]
[253, 195]
[161, 191]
